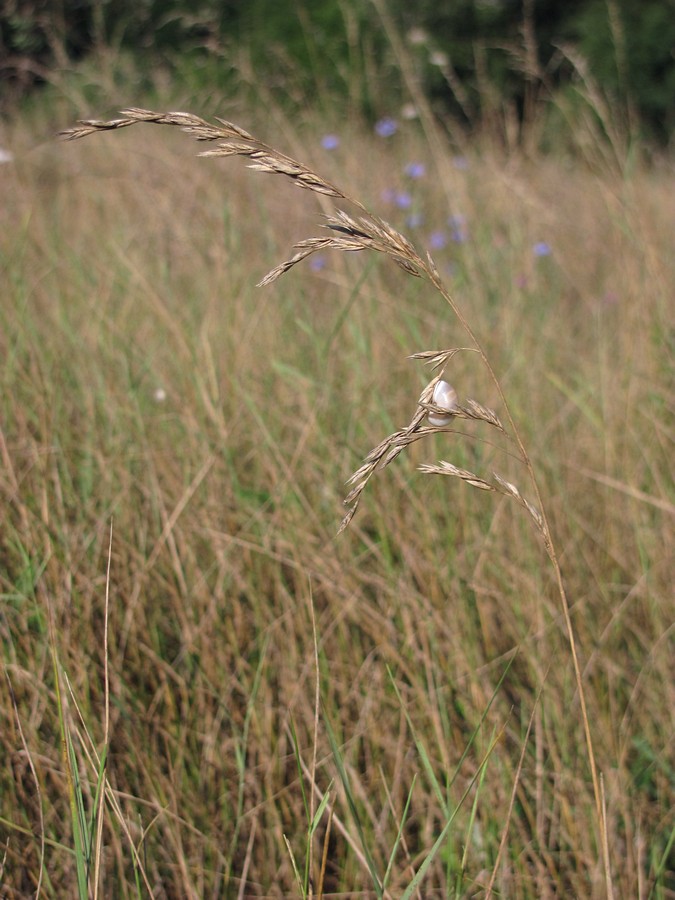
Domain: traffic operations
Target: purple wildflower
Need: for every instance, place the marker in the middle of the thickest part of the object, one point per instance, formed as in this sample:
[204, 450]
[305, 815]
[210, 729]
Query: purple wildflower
[438, 240]
[414, 220]
[541, 248]
[415, 170]
[330, 142]
[386, 127]
[317, 262]
[403, 200]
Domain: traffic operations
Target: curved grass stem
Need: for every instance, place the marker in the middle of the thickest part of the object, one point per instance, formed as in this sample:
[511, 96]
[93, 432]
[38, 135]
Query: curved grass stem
[553, 557]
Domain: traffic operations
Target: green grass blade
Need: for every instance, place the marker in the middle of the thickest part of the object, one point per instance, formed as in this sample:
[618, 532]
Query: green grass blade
[423, 869]
[240, 753]
[421, 750]
[78, 814]
[78, 819]
[469, 829]
[28, 832]
[97, 811]
[320, 810]
[305, 802]
[428, 768]
[399, 834]
[344, 779]
[662, 865]
[298, 762]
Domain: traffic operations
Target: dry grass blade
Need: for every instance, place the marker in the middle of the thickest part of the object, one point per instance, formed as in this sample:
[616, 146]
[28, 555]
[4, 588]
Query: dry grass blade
[514, 792]
[38, 790]
[4, 860]
[98, 844]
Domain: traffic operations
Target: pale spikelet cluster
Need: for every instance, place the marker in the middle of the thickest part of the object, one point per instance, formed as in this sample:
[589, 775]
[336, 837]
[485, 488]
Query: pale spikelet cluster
[352, 235]
[418, 427]
[499, 484]
[366, 231]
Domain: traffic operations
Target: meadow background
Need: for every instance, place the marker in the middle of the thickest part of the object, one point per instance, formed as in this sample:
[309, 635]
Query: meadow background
[284, 712]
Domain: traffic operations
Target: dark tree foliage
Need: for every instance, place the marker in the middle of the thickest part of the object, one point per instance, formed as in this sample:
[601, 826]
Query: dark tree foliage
[634, 57]
[510, 45]
[628, 46]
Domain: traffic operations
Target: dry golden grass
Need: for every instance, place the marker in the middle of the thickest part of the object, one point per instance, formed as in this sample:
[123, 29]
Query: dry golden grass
[147, 382]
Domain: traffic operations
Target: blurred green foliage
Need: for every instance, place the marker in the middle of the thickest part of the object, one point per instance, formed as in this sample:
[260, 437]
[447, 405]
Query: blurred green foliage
[463, 53]
[634, 57]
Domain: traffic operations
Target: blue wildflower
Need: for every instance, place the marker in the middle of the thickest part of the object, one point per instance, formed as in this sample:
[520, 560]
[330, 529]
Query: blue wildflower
[386, 127]
[317, 262]
[541, 248]
[438, 240]
[414, 220]
[403, 200]
[330, 142]
[415, 170]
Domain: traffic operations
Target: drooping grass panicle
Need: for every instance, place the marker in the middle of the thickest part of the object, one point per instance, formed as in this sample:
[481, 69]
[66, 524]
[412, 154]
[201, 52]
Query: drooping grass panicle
[234, 141]
[366, 233]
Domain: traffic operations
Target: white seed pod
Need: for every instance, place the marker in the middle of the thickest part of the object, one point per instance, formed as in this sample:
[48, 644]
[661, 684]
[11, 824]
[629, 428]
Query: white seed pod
[444, 397]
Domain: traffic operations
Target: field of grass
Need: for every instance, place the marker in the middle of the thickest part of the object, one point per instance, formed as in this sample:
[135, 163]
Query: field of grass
[284, 712]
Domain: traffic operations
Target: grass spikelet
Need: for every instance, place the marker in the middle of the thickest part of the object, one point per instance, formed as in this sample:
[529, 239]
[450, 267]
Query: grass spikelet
[446, 468]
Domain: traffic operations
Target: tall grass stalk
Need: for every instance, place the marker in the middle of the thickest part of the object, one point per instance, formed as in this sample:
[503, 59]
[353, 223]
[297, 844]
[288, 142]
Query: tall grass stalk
[100, 799]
